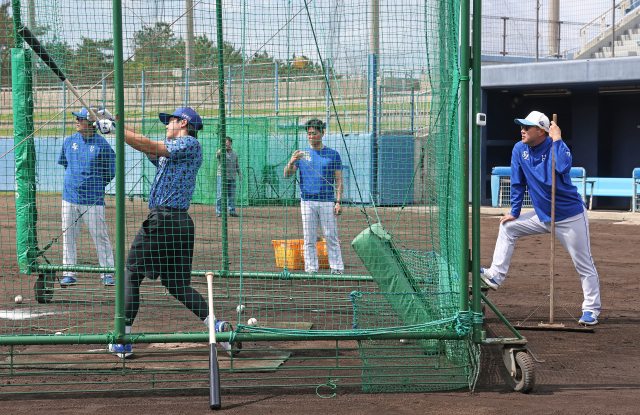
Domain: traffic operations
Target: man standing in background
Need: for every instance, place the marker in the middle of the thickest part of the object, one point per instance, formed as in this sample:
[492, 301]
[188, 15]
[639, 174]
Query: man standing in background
[89, 165]
[320, 171]
[230, 187]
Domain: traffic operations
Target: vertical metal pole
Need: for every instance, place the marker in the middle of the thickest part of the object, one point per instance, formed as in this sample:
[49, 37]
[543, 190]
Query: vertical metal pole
[64, 106]
[188, 64]
[276, 88]
[327, 104]
[186, 87]
[413, 108]
[559, 26]
[222, 134]
[104, 91]
[32, 24]
[229, 93]
[118, 63]
[144, 94]
[380, 109]
[465, 14]
[552, 31]
[613, 29]
[504, 36]
[537, 30]
[475, 166]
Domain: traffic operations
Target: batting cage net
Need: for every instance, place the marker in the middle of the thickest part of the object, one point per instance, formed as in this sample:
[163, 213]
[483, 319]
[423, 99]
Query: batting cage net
[322, 190]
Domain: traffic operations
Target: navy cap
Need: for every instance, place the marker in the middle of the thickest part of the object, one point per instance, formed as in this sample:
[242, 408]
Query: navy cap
[185, 113]
[83, 113]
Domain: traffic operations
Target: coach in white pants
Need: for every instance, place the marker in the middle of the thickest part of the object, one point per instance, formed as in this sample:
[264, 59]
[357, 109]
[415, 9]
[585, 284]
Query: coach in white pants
[320, 169]
[531, 168]
[90, 164]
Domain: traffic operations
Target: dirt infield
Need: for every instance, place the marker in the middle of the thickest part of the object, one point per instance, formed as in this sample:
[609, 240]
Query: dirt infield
[581, 373]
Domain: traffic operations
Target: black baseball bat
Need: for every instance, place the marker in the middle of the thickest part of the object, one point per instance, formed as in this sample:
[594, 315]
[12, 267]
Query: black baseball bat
[214, 370]
[41, 51]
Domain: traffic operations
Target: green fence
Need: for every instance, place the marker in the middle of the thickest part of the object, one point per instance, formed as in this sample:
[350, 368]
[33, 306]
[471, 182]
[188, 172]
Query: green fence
[392, 315]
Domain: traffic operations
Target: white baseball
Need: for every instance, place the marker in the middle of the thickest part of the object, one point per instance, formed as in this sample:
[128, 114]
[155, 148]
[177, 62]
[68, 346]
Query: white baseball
[252, 322]
[240, 308]
[58, 333]
[18, 299]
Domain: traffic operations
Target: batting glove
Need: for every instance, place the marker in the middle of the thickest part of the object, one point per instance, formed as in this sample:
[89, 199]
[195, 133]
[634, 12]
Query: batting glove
[105, 126]
[103, 114]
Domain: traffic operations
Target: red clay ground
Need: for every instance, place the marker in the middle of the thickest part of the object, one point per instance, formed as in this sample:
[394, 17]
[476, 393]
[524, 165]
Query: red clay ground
[582, 373]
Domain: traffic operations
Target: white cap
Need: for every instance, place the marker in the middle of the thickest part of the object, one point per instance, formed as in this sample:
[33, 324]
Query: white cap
[537, 119]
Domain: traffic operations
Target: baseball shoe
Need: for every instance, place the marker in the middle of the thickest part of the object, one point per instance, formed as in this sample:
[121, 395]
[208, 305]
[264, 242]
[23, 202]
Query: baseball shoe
[588, 318]
[223, 327]
[121, 350]
[487, 280]
[67, 282]
[234, 215]
[337, 271]
[219, 215]
[108, 280]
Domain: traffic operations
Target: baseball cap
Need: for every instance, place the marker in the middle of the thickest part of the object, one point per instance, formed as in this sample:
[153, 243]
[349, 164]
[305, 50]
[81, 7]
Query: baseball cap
[536, 119]
[185, 113]
[84, 113]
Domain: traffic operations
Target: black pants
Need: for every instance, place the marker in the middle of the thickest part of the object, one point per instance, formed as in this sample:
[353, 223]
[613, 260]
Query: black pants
[163, 247]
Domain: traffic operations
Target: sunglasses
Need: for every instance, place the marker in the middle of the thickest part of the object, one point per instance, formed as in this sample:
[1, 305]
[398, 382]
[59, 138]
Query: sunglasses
[81, 119]
[526, 127]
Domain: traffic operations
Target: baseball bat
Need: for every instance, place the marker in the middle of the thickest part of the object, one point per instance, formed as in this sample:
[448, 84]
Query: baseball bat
[214, 370]
[553, 226]
[40, 50]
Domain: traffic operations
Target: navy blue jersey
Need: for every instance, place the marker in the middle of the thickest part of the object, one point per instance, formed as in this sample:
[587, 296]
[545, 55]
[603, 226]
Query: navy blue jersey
[317, 174]
[175, 179]
[531, 168]
[89, 164]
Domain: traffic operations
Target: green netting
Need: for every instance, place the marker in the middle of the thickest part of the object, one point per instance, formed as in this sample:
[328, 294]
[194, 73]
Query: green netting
[381, 75]
[410, 365]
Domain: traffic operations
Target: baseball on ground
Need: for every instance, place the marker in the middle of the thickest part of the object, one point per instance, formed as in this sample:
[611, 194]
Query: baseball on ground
[18, 299]
[252, 322]
[240, 308]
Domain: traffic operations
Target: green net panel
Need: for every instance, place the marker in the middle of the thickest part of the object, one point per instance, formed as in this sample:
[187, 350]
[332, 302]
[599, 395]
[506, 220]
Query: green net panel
[383, 78]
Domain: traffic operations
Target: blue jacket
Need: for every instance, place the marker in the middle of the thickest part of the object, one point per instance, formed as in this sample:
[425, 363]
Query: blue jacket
[531, 168]
[90, 164]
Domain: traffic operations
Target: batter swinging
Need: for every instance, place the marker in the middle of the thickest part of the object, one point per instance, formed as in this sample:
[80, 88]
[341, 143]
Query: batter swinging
[530, 168]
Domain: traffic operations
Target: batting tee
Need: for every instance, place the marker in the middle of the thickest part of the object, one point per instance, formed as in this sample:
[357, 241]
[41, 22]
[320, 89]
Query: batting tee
[384, 78]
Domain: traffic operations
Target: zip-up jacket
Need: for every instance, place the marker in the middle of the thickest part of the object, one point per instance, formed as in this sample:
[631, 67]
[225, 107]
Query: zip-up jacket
[531, 168]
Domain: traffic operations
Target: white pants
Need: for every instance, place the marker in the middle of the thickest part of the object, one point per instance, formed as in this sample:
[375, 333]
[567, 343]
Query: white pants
[572, 232]
[93, 217]
[322, 212]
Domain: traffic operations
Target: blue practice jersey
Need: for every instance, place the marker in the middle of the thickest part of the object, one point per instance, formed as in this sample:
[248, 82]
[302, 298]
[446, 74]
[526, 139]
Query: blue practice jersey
[175, 179]
[531, 168]
[317, 176]
[90, 164]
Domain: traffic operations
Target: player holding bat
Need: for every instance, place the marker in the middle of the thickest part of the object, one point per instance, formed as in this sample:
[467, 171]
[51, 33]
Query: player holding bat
[530, 167]
[164, 244]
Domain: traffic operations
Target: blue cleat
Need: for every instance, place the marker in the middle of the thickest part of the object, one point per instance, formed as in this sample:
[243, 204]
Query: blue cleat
[224, 326]
[588, 318]
[121, 350]
[67, 282]
[489, 281]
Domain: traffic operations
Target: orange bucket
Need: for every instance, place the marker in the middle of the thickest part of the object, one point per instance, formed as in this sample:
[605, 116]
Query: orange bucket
[289, 252]
[292, 252]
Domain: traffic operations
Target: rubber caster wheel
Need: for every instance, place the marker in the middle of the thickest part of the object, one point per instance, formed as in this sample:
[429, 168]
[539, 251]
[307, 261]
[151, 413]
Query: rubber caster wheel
[525, 376]
[43, 288]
